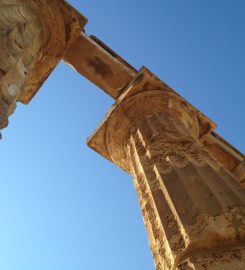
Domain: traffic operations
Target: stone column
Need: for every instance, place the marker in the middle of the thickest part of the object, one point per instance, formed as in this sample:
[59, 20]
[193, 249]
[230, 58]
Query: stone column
[193, 209]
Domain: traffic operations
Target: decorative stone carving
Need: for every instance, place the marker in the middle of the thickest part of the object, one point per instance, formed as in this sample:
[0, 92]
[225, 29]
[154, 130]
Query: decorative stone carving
[36, 34]
[197, 203]
[192, 207]
[33, 38]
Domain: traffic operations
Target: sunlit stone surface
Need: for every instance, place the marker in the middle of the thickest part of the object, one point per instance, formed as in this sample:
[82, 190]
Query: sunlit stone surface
[189, 180]
[192, 207]
[33, 39]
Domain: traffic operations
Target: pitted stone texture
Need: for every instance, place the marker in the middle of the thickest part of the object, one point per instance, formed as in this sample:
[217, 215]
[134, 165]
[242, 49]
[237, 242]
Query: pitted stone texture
[192, 207]
[190, 204]
[146, 82]
[223, 259]
[33, 37]
[132, 111]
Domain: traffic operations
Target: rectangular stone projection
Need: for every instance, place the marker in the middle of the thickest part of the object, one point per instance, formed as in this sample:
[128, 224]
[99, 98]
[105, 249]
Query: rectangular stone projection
[99, 64]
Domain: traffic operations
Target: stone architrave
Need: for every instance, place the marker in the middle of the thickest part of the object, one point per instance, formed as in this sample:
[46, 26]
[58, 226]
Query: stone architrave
[192, 207]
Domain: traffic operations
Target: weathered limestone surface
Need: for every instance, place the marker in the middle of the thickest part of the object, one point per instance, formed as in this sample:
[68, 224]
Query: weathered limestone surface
[239, 171]
[99, 64]
[226, 154]
[33, 38]
[192, 207]
[189, 180]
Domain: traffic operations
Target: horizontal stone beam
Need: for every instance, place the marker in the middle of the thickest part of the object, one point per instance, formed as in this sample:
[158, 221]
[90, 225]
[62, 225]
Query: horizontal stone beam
[99, 64]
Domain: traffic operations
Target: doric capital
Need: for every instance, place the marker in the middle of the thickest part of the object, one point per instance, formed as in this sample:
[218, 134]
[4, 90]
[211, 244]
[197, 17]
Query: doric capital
[33, 38]
[135, 111]
[146, 96]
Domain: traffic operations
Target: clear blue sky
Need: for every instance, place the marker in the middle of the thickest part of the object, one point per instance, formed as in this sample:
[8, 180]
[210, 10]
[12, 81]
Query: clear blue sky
[62, 206]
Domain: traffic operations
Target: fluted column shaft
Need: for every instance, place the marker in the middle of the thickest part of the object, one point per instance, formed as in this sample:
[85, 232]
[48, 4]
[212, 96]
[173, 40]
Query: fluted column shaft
[190, 204]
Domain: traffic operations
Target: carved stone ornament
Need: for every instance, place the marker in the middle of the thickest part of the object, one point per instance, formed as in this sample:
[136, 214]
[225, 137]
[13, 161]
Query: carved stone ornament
[33, 37]
[190, 204]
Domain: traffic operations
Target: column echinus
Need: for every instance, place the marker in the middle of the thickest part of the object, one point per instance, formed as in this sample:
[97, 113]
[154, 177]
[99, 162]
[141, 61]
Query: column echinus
[192, 207]
[34, 36]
